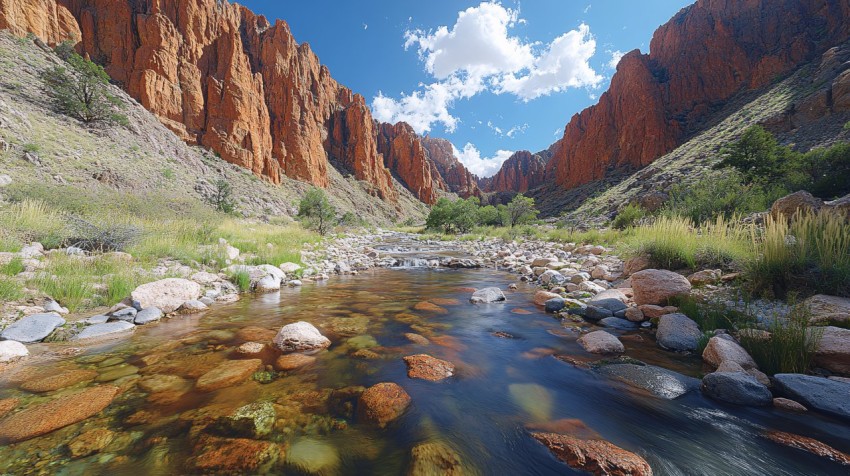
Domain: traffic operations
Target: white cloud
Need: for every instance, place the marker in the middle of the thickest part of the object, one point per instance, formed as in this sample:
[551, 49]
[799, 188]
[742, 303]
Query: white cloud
[587, 8]
[470, 157]
[513, 131]
[616, 56]
[478, 53]
[564, 64]
[365, 26]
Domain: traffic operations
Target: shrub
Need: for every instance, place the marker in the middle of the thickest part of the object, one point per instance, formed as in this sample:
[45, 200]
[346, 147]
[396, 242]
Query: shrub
[809, 254]
[723, 194]
[221, 198]
[102, 237]
[519, 211]
[458, 216]
[790, 347]
[489, 216]
[82, 91]
[32, 148]
[32, 220]
[628, 216]
[316, 211]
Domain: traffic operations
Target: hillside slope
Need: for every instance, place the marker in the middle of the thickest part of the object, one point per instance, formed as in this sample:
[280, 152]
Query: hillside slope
[41, 149]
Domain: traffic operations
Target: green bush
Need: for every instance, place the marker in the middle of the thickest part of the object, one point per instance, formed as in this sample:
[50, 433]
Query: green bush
[720, 195]
[221, 198]
[519, 211]
[489, 216]
[628, 216]
[316, 211]
[458, 216]
[82, 91]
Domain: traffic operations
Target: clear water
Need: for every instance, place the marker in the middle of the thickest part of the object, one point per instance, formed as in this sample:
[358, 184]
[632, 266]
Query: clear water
[501, 386]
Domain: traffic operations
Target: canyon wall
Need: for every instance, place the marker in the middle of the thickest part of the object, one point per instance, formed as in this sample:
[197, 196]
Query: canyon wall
[457, 178]
[522, 172]
[704, 55]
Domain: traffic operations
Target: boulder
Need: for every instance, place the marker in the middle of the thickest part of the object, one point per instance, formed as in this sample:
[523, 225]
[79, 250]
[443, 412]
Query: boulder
[555, 304]
[634, 314]
[11, 350]
[721, 348]
[659, 381]
[817, 393]
[40, 419]
[706, 276]
[126, 314]
[300, 336]
[268, 284]
[425, 367]
[657, 286]
[593, 313]
[601, 342]
[618, 323]
[192, 306]
[148, 315]
[615, 294]
[382, 403]
[635, 264]
[32, 328]
[788, 205]
[110, 329]
[833, 350]
[289, 268]
[828, 309]
[434, 458]
[166, 294]
[540, 297]
[288, 362]
[736, 388]
[677, 332]
[486, 295]
[254, 420]
[651, 311]
[235, 456]
[597, 457]
[227, 373]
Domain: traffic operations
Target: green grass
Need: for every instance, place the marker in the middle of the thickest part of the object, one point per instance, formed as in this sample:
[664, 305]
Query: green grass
[791, 346]
[32, 148]
[711, 316]
[242, 280]
[10, 289]
[628, 216]
[33, 220]
[809, 254]
[12, 268]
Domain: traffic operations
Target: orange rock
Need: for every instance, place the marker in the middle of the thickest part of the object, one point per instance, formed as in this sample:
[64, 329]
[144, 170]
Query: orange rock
[808, 444]
[227, 373]
[58, 413]
[382, 403]
[445, 301]
[540, 297]
[522, 172]
[7, 405]
[428, 368]
[57, 381]
[90, 442]
[405, 156]
[597, 457]
[293, 361]
[430, 307]
[456, 177]
[235, 455]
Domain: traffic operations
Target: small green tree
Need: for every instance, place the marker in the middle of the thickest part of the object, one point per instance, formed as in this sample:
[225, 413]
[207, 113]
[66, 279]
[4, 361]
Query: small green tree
[316, 211]
[457, 216]
[221, 198]
[489, 216]
[82, 91]
[756, 154]
[519, 211]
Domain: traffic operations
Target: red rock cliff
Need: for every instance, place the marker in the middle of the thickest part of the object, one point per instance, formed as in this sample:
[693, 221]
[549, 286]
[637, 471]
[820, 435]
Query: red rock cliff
[522, 172]
[456, 177]
[700, 58]
[407, 158]
[220, 76]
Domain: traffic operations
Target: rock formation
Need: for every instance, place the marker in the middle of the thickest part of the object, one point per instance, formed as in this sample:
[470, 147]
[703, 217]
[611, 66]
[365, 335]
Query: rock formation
[220, 76]
[523, 171]
[704, 55]
[456, 177]
[405, 155]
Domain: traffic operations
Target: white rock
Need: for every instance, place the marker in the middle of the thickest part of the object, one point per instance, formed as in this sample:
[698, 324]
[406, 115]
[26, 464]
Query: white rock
[11, 350]
[300, 336]
[166, 294]
[601, 342]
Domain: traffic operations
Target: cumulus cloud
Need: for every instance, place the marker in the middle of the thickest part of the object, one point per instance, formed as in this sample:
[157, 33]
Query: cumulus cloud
[470, 157]
[616, 56]
[478, 53]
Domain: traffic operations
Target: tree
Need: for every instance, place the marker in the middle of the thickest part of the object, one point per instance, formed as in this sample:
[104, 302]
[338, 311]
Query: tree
[520, 211]
[82, 91]
[457, 216]
[316, 211]
[221, 197]
[756, 154]
[489, 216]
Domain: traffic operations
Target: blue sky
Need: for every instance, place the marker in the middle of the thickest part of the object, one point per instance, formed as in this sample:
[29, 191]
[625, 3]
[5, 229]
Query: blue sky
[492, 77]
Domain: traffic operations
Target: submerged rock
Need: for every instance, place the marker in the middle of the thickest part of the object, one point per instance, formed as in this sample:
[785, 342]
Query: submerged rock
[235, 456]
[254, 420]
[90, 442]
[434, 459]
[312, 456]
[60, 412]
[534, 399]
[289, 362]
[32, 328]
[487, 295]
[597, 457]
[425, 367]
[660, 382]
[227, 373]
[809, 445]
[54, 382]
[102, 330]
[382, 403]
[300, 336]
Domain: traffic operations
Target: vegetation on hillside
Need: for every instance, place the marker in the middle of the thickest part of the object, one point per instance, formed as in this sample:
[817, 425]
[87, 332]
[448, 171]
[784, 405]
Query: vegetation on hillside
[462, 215]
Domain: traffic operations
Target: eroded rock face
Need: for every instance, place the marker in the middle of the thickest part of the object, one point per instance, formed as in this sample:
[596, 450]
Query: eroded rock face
[597, 457]
[456, 177]
[407, 158]
[705, 54]
[522, 172]
[220, 76]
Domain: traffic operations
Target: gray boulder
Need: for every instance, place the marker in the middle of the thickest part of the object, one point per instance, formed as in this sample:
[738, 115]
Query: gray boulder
[737, 388]
[268, 284]
[150, 314]
[677, 332]
[618, 323]
[127, 314]
[32, 328]
[660, 382]
[601, 342]
[593, 313]
[555, 304]
[613, 305]
[818, 393]
[107, 329]
[487, 295]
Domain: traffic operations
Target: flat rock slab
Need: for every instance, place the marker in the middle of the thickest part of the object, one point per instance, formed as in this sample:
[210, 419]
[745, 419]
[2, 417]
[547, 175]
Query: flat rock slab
[58, 413]
[58, 381]
[148, 315]
[110, 329]
[658, 381]
[736, 388]
[227, 373]
[817, 393]
[32, 328]
[595, 456]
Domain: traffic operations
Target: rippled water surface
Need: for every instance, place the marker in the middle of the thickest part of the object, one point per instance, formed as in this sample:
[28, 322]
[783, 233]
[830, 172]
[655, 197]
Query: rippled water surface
[502, 385]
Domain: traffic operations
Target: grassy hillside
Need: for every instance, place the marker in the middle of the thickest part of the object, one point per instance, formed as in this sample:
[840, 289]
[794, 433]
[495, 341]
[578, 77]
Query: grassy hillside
[54, 157]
